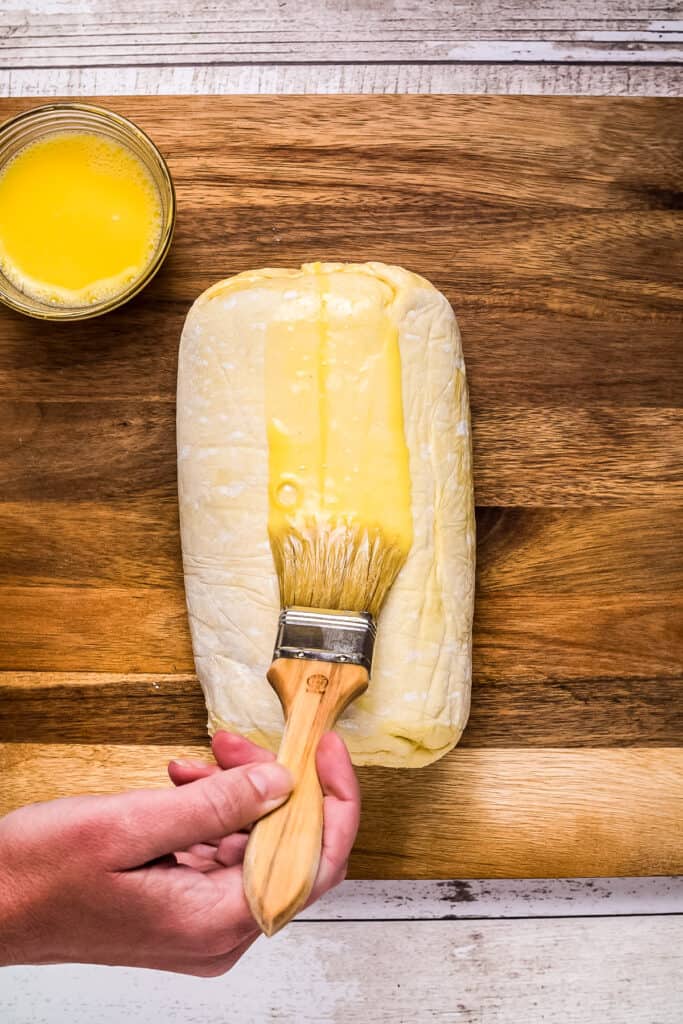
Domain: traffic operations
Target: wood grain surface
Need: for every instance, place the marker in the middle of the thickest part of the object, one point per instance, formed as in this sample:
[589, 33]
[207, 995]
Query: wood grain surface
[554, 227]
[533, 813]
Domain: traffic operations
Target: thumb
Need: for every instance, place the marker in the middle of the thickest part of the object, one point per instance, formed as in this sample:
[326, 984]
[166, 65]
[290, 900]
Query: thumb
[146, 824]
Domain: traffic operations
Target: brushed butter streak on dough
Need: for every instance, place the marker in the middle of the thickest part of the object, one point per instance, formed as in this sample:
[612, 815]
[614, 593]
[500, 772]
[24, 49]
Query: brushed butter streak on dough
[413, 712]
[336, 454]
[340, 517]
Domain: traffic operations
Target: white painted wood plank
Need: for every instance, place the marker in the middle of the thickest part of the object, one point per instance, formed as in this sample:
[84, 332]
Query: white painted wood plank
[493, 972]
[518, 79]
[59, 33]
[401, 900]
[124, 51]
[379, 18]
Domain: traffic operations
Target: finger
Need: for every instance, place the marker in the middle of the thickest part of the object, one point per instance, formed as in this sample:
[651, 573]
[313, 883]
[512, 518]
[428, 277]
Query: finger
[229, 917]
[341, 811]
[335, 771]
[232, 750]
[141, 825]
[201, 864]
[231, 849]
[201, 856]
[181, 772]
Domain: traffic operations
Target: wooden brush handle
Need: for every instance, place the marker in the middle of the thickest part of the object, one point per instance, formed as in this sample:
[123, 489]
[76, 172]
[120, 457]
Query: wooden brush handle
[283, 853]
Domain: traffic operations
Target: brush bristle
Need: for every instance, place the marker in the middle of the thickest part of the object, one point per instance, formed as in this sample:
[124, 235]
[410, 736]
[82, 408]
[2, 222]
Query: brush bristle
[338, 566]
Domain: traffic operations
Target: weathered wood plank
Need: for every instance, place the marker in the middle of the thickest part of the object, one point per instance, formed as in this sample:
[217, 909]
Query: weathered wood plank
[497, 813]
[39, 34]
[438, 45]
[389, 17]
[521, 972]
[250, 79]
[460, 899]
[92, 51]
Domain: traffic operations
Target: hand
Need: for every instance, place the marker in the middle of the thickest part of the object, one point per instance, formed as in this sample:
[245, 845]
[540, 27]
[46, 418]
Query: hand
[153, 878]
[341, 806]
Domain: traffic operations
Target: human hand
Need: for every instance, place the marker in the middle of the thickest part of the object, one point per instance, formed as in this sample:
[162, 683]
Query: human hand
[129, 880]
[341, 805]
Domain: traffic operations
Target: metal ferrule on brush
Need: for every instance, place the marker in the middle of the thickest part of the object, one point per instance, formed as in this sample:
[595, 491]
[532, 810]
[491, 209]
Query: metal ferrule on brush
[319, 634]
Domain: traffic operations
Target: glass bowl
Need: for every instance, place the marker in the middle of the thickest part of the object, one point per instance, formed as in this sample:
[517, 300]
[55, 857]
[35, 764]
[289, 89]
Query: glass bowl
[52, 119]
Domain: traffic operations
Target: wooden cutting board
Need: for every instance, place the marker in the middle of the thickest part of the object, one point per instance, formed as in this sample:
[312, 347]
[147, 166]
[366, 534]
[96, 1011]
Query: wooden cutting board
[554, 227]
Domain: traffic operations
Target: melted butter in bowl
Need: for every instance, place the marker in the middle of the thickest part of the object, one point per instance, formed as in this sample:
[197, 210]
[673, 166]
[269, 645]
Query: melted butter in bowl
[80, 219]
[86, 211]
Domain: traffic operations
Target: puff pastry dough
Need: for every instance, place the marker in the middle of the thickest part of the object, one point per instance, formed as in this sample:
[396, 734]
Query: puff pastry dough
[418, 700]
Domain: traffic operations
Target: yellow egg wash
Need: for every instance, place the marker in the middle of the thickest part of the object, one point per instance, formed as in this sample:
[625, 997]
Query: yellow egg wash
[80, 218]
[338, 459]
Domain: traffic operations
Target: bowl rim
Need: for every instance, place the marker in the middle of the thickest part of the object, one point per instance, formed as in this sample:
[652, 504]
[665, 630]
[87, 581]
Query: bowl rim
[69, 314]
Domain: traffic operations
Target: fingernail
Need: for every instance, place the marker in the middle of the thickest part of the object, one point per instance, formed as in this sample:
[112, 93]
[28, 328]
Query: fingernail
[188, 764]
[270, 780]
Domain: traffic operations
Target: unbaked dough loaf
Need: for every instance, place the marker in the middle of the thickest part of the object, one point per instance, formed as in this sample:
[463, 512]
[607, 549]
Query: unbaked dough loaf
[418, 700]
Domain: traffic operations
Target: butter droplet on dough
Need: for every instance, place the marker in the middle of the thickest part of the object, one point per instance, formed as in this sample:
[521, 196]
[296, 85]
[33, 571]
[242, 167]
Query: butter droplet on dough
[287, 495]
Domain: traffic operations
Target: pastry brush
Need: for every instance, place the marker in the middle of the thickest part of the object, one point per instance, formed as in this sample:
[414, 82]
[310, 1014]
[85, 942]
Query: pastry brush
[333, 579]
